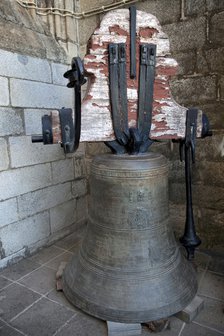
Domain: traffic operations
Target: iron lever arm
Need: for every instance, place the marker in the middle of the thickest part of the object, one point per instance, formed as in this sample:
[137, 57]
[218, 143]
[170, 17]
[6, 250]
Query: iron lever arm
[189, 240]
[76, 80]
[132, 10]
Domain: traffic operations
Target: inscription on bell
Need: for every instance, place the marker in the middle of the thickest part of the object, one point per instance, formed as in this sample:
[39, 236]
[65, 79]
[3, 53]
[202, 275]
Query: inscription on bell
[147, 195]
[139, 196]
[138, 218]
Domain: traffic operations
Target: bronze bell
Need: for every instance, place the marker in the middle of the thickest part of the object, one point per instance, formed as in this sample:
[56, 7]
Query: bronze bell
[129, 268]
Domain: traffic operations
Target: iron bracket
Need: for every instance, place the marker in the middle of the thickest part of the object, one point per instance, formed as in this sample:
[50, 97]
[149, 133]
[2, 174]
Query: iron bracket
[67, 129]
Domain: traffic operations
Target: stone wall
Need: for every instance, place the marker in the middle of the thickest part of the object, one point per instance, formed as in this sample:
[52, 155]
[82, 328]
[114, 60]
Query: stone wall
[42, 192]
[195, 29]
[197, 44]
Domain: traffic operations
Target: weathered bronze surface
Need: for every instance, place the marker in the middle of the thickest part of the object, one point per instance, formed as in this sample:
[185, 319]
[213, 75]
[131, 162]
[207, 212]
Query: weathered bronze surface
[129, 267]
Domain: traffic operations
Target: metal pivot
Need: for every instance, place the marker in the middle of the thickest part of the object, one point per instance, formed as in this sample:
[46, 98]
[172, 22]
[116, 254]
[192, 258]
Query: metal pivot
[189, 240]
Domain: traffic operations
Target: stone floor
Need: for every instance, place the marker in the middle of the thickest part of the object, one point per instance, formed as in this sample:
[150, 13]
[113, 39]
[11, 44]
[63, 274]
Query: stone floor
[30, 305]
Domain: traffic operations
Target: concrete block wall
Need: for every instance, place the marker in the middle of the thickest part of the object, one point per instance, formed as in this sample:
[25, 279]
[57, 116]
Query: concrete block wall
[40, 188]
[43, 193]
[195, 30]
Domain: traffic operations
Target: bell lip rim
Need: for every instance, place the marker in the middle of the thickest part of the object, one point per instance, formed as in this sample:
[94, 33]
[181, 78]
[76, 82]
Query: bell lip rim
[180, 302]
[114, 315]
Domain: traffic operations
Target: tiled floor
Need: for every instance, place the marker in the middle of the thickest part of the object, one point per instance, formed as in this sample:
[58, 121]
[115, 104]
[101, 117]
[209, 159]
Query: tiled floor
[30, 305]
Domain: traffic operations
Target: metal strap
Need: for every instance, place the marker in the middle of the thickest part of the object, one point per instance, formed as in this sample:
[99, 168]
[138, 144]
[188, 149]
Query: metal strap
[76, 80]
[123, 89]
[132, 10]
[118, 88]
[77, 121]
[47, 130]
[135, 141]
[115, 147]
[190, 133]
[146, 86]
[191, 130]
[67, 129]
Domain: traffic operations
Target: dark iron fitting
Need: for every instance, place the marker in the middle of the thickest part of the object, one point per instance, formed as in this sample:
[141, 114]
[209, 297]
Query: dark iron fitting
[67, 129]
[132, 10]
[146, 88]
[123, 91]
[118, 91]
[189, 240]
[47, 130]
[206, 131]
[76, 80]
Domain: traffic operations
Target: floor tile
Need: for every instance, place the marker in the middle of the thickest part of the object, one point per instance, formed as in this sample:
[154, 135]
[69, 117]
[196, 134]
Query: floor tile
[216, 265]
[54, 264]
[212, 285]
[43, 318]
[75, 249]
[73, 239]
[201, 260]
[14, 299]
[42, 280]
[193, 329]
[20, 269]
[4, 282]
[6, 330]
[200, 275]
[212, 315]
[59, 297]
[1, 323]
[46, 254]
[54, 312]
[84, 325]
